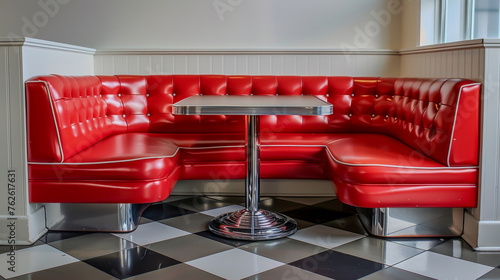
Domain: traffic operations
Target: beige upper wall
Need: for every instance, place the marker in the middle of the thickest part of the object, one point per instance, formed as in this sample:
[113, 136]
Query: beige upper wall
[410, 21]
[207, 24]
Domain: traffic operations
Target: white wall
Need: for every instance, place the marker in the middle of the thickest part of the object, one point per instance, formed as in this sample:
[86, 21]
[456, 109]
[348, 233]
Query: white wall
[410, 22]
[280, 37]
[207, 24]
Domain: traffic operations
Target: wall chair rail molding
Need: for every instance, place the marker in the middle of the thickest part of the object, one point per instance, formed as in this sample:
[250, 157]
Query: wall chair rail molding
[22, 222]
[357, 62]
[461, 45]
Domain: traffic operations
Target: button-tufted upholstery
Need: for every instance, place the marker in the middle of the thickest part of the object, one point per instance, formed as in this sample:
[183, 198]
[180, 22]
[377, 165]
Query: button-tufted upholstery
[412, 141]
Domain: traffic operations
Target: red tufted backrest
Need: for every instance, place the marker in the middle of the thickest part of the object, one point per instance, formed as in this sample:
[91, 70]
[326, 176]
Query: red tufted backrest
[65, 115]
[422, 113]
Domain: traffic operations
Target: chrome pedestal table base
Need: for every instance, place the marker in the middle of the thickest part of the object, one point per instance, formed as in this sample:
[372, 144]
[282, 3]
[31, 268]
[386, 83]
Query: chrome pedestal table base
[248, 225]
[253, 223]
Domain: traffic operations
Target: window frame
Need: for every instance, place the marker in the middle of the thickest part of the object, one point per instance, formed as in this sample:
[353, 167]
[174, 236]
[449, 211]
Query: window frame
[440, 19]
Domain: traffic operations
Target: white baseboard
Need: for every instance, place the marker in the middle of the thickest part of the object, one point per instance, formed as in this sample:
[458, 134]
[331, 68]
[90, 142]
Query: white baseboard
[26, 230]
[15, 231]
[481, 235]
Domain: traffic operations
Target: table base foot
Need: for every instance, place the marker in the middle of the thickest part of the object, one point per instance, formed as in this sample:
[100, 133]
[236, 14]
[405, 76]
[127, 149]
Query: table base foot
[258, 225]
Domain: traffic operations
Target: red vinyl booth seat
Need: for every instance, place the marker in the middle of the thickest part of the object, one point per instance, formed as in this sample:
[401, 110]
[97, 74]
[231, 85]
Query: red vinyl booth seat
[390, 143]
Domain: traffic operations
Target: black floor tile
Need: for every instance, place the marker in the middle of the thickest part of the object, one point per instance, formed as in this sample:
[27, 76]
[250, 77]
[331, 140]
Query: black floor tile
[131, 262]
[315, 214]
[338, 265]
[231, 242]
[199, 203]
[337, 206]
[492, 275]
[239, 200]
[351, 224]
[301, 224]
[279, 205]
[163, 211]
[52, 236]
[73, 271]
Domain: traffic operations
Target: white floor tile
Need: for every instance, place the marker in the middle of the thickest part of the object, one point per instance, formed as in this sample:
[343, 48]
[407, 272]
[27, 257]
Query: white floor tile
[223, 210]
[34, 259]
[151, 233]
[235, 264]
[378, 250]
[443, 267]
[324, 236]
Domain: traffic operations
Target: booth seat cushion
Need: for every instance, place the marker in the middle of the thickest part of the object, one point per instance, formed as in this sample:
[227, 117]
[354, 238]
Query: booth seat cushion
[143, 156]
[295, 139]
[380, 159]
[307, 147]
[405, 195]
[209, 147]
[102, 191]
[221, 171]
[128, 156]
[294, 155]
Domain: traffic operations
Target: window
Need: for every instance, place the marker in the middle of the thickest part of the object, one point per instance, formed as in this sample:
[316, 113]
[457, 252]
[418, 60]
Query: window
[429, 18]
[486, 19]
[443, 21]
[454, 15]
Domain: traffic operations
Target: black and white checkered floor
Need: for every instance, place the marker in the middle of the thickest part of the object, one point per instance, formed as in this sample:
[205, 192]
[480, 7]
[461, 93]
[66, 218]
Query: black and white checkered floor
[173, 242]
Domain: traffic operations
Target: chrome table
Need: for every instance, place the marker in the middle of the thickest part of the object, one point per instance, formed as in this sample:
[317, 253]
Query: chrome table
[252, 223]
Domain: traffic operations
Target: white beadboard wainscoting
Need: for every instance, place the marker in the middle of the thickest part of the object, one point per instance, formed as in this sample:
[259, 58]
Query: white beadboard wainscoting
[12, 147]
[478, 60]
[452, 60]
[21, 59]
[247, 62]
